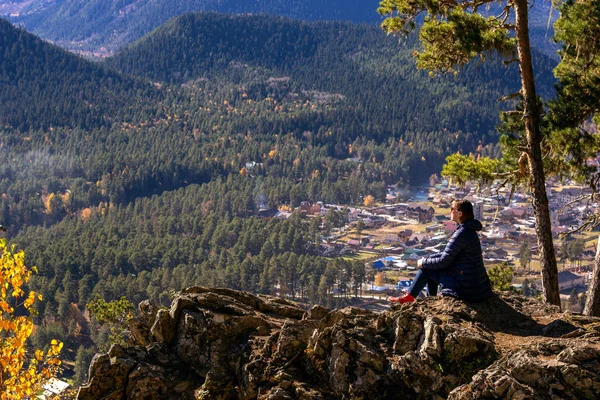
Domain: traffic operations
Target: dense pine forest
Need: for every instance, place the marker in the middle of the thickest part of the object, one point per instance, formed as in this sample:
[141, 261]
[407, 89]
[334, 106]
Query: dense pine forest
[44, 86]
[147, 172]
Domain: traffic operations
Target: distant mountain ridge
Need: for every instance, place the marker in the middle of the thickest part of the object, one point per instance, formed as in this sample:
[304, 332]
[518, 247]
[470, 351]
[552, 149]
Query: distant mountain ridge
[46, 86]
[93, 24]
[370, 69]
[102, 26]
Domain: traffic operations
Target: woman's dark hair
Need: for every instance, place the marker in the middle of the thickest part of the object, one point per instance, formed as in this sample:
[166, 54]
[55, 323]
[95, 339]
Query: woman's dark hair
[465, 207]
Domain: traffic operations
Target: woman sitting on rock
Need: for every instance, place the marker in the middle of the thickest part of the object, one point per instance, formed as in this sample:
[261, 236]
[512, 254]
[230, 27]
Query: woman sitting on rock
[459, 268]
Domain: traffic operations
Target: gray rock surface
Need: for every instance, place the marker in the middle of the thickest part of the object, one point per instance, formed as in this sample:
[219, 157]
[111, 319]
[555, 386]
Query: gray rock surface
[553, 370]
[225, 344]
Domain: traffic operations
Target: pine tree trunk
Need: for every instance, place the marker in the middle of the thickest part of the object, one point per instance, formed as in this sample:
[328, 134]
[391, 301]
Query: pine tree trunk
[531, 114]
[592, 303]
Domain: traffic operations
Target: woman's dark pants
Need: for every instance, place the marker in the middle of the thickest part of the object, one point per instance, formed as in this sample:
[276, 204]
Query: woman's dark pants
[424, 277]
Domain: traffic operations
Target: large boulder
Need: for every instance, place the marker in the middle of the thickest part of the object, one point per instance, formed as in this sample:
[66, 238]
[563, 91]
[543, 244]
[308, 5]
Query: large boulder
[226, 344]
[551, 370]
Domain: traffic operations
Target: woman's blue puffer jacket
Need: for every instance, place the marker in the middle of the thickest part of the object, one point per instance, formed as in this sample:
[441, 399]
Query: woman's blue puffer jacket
[461, 265]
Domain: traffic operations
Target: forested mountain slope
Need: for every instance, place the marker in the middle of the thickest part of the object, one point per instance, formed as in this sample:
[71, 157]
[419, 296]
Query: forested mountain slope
[343, 90]
[374, 74]
[43, 86]
[337, 102]
[102, 26]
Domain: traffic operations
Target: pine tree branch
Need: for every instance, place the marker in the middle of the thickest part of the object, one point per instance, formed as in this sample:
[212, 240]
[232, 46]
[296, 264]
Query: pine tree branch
[577, 200]
[498, 198]
[510, 97]
[591, 222]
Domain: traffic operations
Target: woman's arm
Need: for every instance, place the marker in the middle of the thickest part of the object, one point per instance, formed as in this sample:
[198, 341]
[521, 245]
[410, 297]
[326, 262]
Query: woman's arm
[445, 258]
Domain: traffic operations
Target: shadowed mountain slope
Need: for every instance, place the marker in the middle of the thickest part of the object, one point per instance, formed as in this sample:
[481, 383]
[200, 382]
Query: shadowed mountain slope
[45, 86]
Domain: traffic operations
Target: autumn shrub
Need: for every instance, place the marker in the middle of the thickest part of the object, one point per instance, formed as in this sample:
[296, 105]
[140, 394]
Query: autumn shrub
[23, 372]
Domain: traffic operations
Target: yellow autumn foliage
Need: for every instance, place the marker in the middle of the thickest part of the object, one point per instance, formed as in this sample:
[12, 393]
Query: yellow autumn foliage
[47, 202]
[86, 214]
[379, 279]
[22, 374]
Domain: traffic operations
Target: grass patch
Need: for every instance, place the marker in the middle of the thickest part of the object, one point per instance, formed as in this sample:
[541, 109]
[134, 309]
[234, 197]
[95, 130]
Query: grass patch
[359, 256]
[535, 265]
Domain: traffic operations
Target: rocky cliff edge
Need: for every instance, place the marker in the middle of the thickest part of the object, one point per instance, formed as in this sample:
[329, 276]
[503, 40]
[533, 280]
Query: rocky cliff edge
[226, 344]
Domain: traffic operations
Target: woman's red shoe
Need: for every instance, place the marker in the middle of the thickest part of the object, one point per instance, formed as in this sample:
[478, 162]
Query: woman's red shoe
[407, 298]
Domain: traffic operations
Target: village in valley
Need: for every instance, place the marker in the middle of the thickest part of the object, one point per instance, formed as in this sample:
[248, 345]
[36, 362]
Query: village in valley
[391, 237]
